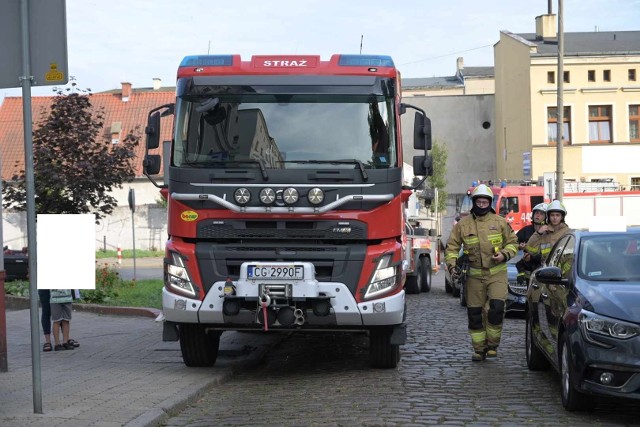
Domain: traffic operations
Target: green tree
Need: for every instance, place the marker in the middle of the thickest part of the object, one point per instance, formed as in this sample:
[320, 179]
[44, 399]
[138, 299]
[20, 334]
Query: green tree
[75, 167]
[437, 180]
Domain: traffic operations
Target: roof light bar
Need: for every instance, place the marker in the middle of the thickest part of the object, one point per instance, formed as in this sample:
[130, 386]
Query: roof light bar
[365, 61]
[207, 61]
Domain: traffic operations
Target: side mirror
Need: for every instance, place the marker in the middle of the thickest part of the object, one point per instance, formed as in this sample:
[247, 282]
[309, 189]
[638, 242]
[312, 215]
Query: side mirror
[422, 132]
[551, 275]
[423, 165]
[151, 164]
[153, 131]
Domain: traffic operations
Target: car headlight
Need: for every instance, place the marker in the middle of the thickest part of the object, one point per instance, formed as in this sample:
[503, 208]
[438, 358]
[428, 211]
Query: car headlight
[593, 324]
[384, 278]
[178, 277]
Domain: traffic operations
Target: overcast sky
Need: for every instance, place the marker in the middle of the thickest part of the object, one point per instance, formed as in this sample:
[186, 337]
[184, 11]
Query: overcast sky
[111, 41]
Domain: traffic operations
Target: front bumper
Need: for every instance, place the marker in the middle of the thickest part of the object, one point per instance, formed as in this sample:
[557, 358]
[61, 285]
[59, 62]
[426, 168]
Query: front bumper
[516, 298]
[302, 296]
[622, 361]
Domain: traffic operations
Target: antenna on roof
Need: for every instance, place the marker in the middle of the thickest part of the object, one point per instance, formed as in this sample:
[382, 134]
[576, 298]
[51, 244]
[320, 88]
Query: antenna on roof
[361, 37]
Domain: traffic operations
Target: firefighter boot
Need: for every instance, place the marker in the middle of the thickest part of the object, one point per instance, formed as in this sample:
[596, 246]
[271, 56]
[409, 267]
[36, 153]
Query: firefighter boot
[492, 352]
[478, 356]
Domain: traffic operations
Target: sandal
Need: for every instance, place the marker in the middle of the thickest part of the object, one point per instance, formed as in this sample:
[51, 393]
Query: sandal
[47, 347]
[67, 346]
[73, 343]
[59, 347]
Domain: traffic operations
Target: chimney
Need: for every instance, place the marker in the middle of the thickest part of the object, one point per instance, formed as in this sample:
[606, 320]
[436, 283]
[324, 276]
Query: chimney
[126, 91]
[460, 64]
[156, 83]
[546, 27]
[116, 129]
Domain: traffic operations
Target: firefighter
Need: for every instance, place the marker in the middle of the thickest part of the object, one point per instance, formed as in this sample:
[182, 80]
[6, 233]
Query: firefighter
[541, 242]
[538, 219]
[489, 242]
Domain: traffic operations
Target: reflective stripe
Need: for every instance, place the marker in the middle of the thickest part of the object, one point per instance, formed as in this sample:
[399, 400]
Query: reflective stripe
[471, 240]
[493, 335]
[495, 239]
[477, 272]
[450, 256]
[511, 248]
[478, 336]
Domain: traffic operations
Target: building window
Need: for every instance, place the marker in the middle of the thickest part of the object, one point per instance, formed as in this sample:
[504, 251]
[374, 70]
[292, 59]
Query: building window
[634, 123]
[632, 74]
[606, 75]
[591, 75]
[635, 183]
[566, 77]
[552, 125]
[551, 77]
[600, 124]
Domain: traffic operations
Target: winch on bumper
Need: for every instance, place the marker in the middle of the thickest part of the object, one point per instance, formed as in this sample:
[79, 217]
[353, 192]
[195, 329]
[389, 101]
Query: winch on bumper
[286, 295]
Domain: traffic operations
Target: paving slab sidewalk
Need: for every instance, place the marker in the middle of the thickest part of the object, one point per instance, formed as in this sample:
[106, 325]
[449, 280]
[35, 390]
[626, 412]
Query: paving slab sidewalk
[122, 373]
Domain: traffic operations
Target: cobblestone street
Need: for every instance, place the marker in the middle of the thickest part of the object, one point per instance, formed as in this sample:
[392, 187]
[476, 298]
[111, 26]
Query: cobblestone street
[325, 380]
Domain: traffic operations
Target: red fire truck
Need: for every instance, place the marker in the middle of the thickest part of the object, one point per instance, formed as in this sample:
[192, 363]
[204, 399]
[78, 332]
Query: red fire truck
[285, 199]
[583, 201]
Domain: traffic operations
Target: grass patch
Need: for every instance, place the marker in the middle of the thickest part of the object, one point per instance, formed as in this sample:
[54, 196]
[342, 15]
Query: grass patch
[142, 293]
[128, 253]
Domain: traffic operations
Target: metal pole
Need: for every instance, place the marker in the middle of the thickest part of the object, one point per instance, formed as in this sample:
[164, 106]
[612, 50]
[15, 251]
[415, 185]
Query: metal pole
[560, 128]
[31, 208]
[133, 229]
[4, 366]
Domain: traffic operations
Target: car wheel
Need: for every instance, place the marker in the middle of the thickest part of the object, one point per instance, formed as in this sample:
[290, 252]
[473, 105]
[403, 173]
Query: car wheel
[384, 355]
[447, 286]
[463, 297]
[572, 399]
[536, 360]
[412, 284]
[455, 289]
[425, 264]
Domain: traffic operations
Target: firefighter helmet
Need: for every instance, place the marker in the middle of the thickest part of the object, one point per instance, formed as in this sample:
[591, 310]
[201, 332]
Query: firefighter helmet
[482, 191]
[540, 207]
[556, 206]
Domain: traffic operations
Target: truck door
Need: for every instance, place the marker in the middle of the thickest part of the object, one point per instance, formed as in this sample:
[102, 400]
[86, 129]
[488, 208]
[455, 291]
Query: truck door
[509, 208]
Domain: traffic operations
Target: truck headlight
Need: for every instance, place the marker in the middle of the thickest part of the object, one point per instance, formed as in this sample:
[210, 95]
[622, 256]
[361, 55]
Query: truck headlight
[593, 324]
[384, 278]
[178, 277]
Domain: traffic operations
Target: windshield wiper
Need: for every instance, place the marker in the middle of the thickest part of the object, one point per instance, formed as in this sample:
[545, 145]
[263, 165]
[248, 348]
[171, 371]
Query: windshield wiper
[263, 170]
[358, 163]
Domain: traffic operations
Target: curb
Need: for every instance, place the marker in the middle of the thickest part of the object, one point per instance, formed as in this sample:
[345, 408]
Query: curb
[23, 303]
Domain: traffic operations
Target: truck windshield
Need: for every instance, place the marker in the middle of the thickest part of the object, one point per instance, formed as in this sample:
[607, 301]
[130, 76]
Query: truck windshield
[285, 131]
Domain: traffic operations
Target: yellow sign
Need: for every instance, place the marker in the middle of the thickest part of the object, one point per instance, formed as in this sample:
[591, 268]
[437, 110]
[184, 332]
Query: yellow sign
[189, 216]
[53, 75]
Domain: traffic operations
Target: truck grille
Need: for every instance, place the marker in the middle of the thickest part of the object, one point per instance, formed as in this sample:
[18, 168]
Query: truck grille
[280, 230]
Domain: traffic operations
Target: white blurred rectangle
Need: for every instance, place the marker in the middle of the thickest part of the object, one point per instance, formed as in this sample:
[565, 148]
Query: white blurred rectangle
[66, 257]
[608, 223]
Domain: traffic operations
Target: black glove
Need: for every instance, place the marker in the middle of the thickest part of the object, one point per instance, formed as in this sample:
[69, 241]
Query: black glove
[454, 272]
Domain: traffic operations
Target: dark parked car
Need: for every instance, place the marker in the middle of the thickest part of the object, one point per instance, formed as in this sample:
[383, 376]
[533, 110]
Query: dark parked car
[16, 264]
[516, 297]
[583, 316]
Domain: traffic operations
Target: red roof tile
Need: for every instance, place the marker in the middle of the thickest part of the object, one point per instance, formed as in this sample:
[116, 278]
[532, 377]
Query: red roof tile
[129, 114]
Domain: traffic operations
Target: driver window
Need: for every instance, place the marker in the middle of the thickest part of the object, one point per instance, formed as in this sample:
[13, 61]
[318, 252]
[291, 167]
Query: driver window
[509, 204]
[556, 252]
[565, 261]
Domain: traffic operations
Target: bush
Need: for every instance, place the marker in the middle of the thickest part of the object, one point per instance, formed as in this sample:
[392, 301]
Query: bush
[17, 288]
[107, 282]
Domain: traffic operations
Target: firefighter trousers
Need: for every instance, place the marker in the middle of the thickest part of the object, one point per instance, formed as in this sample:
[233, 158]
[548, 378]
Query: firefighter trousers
[486, 295]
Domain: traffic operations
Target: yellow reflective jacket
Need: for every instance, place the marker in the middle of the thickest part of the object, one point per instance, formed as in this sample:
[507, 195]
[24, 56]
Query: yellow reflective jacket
[540, 245]
[481, 237]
